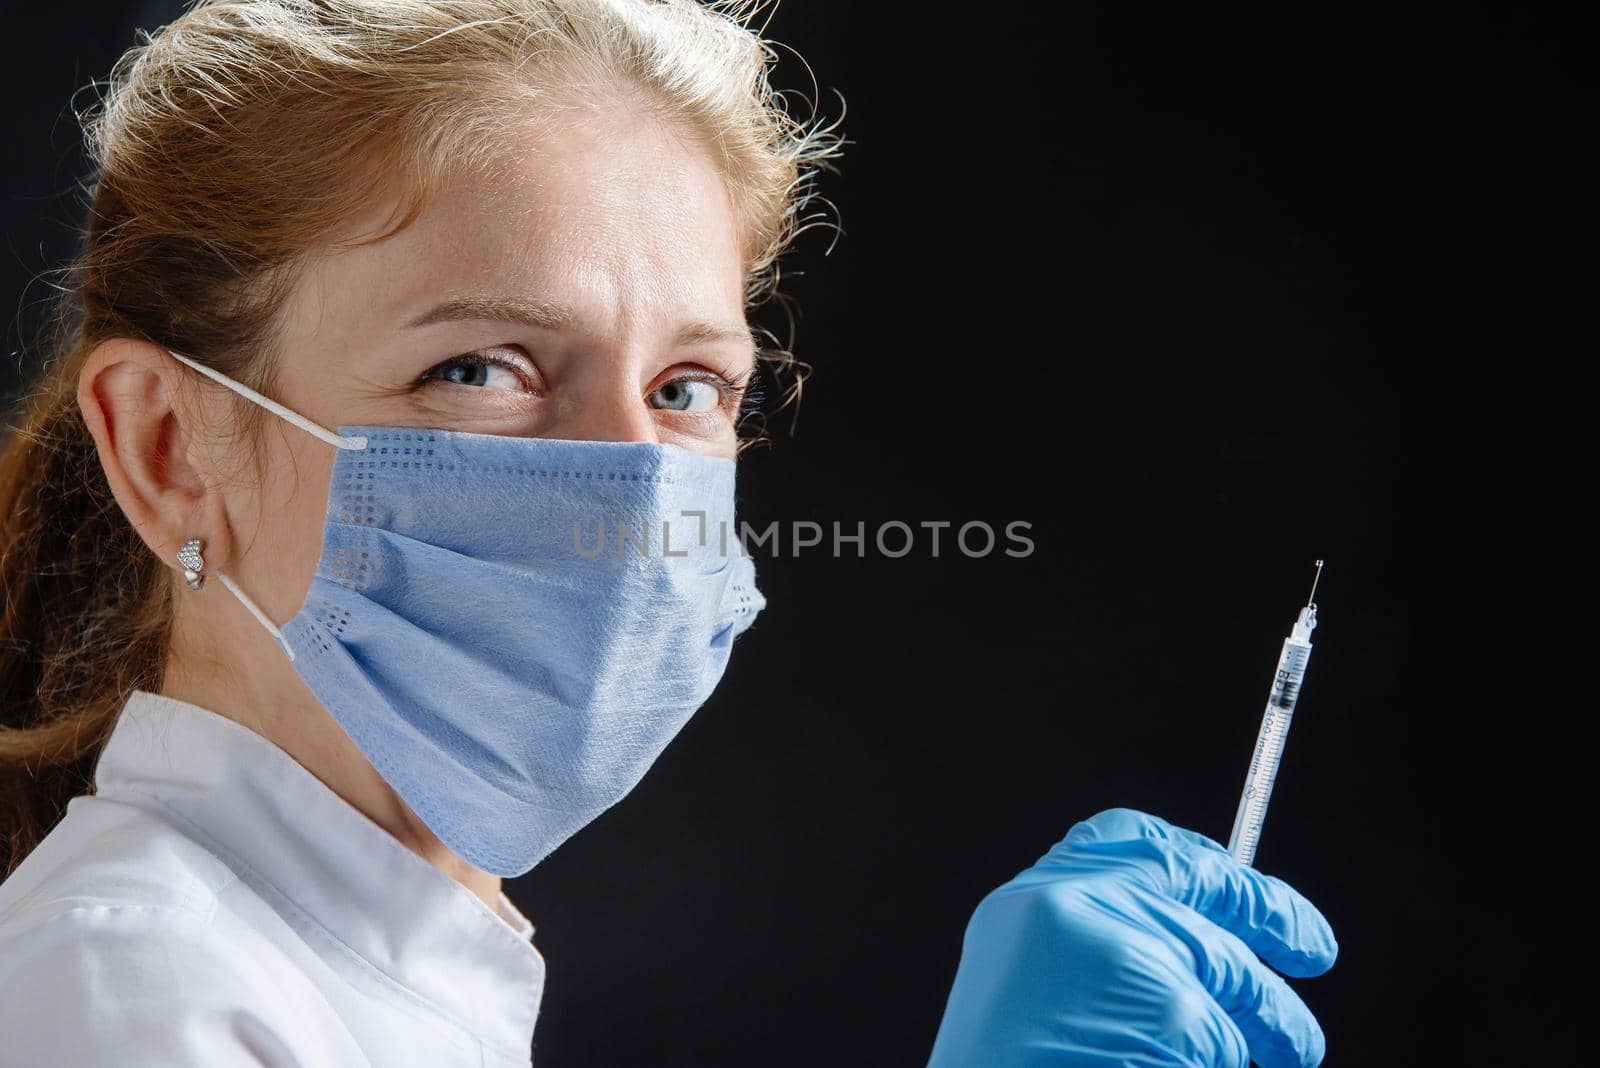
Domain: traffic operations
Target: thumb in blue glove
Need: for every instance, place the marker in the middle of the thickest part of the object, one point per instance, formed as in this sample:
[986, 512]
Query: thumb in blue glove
[1136, 942]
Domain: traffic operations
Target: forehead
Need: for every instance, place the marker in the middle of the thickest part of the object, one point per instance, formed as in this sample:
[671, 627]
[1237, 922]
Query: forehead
[609, 211]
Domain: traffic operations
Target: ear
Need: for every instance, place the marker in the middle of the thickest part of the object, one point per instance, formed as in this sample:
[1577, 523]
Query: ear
[146, 419]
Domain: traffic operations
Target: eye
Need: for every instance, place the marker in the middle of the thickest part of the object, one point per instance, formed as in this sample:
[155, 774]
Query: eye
[489, 370]
[688, 395]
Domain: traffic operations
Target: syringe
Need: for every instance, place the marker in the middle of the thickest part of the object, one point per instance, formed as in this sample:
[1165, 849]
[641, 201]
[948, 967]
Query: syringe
[1274, 729]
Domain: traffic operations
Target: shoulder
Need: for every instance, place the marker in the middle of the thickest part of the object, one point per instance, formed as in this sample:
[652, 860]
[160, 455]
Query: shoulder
[135, 984]
[109, 852]
[112, 951]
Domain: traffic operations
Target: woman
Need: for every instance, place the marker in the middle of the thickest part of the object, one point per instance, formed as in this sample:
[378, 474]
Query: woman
[390, 314]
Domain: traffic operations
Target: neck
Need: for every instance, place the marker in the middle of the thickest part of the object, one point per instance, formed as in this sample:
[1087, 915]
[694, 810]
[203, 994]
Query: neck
[241, 673]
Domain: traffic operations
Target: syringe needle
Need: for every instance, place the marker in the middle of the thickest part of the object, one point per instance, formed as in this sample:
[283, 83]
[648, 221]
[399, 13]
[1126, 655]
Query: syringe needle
[1314, 580]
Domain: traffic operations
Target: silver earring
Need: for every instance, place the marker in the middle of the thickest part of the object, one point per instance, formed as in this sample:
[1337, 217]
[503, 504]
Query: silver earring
[193, 565]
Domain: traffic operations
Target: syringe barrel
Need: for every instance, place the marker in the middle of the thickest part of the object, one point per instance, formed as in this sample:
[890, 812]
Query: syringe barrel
[1286, 682]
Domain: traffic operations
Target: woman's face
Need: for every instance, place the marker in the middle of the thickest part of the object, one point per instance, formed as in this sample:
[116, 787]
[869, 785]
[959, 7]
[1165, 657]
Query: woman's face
[592, 290]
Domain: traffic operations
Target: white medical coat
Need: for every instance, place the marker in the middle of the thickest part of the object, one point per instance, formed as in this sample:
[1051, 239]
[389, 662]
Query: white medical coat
[213, 903]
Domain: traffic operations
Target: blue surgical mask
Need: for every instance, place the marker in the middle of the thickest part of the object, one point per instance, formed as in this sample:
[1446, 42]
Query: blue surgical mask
[513, 629]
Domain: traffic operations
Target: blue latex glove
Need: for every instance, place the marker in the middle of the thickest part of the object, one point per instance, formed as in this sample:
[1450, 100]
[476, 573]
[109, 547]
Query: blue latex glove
[1134, 942]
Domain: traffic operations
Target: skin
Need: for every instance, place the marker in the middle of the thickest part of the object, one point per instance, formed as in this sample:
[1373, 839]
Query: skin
[609, 212]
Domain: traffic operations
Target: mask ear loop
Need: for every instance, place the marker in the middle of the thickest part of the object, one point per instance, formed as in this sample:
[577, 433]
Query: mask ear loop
[338, 441]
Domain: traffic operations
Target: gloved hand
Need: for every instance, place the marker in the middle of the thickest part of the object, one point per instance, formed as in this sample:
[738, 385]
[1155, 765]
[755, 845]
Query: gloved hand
[1134, 942]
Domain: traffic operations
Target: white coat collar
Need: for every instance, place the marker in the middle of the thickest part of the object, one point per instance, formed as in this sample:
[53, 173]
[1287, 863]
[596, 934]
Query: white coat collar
[265, 815]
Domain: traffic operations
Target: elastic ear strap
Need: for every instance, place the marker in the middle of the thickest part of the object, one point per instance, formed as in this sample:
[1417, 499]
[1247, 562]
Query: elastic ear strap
[255, 610]
[338, 441]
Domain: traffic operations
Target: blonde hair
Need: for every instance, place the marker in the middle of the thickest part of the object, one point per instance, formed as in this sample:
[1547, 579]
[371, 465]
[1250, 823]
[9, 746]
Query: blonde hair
[227, 147]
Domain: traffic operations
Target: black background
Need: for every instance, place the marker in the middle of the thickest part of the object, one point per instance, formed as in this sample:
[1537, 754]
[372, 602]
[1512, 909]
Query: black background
[1202, 293]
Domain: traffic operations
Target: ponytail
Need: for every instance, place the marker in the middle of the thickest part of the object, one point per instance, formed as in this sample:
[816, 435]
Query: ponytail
[84, 612]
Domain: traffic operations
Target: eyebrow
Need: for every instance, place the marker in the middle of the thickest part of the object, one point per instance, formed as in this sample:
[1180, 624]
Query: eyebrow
[553, 316]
